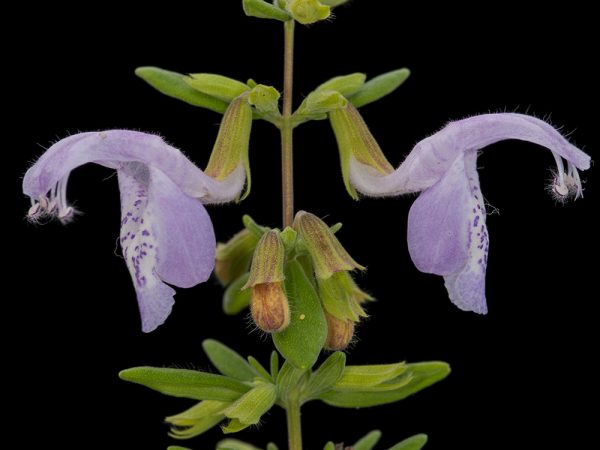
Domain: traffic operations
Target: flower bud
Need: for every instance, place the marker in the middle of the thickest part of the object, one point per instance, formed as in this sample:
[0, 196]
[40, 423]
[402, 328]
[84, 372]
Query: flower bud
[339, 333]
[327, 254]
[231, 147]
[346, 85]
[355, 140]
[269, 307]
[234, 257]
[269, 304]
[308, 11]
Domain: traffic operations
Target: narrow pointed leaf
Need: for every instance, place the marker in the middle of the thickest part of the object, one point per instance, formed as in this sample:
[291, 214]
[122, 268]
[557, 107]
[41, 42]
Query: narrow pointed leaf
[259, 367]
[326, 375]
[173, 85]
[368, 442]
[197, 428]
[379, 87]
[301, 342]
[186, 383]
[274, 364]
[416, 442]
[423, 375]
[235, 300]
[227, 361]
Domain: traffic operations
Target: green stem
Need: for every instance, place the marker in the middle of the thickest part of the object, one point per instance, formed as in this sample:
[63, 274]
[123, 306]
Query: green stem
[287, 129]
[294, 426]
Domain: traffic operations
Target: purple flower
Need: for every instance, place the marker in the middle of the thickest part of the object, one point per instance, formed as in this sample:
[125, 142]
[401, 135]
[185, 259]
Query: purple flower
[447, 234]
[166, 234]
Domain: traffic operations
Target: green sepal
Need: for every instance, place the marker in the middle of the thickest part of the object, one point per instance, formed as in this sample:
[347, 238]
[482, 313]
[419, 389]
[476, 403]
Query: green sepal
[317, 105]
[197, 419]
[268, 260]
[308, 11]
[186, 383]
[228, 361]
[254, 228]
[289, 237]
[260, 368]
[327, 253]
[416, 442]
[263, 10]
[379, 87]
[217, 86]
[232, 143]
[233, 257]
[235, 300]
[325, 376]
[266, 101]
[421, 376]
[368, 442]
[301, 342]
[173, 85]
[347, 85]
[249, 408]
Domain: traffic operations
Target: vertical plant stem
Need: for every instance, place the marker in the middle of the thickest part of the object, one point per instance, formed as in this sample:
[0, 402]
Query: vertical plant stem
[294, 426]
[287, 130]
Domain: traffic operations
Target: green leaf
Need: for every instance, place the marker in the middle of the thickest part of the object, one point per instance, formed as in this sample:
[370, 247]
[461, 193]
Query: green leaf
[368, 442]
[218, 86]
[235, 300]
[347, 85]
[421, 376]
[326, 375]
[259, 368]
[301, 342]
[329, 446]
[176, 447]
[274, 364]
[173, 85]
[254, 228]
[227, 361]
[360, 377]
[234, 444]
[263, 10]
[416, 442]
[249, 408]
[186, 383]
[272, 446]
[379, 87]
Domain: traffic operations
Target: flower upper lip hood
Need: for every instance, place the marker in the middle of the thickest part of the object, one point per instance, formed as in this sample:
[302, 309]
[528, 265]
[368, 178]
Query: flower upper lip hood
[447, 234]
[166, 234]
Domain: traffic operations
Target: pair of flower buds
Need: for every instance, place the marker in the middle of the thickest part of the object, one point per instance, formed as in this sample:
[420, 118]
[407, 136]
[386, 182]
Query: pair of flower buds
[267, 252]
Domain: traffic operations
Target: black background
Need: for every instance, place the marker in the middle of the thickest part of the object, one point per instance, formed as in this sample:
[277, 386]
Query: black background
[520, 374]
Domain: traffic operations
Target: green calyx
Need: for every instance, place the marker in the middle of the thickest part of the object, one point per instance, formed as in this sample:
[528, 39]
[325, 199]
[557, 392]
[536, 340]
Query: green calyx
[264, 10]
[230, 151]
[307, 12]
